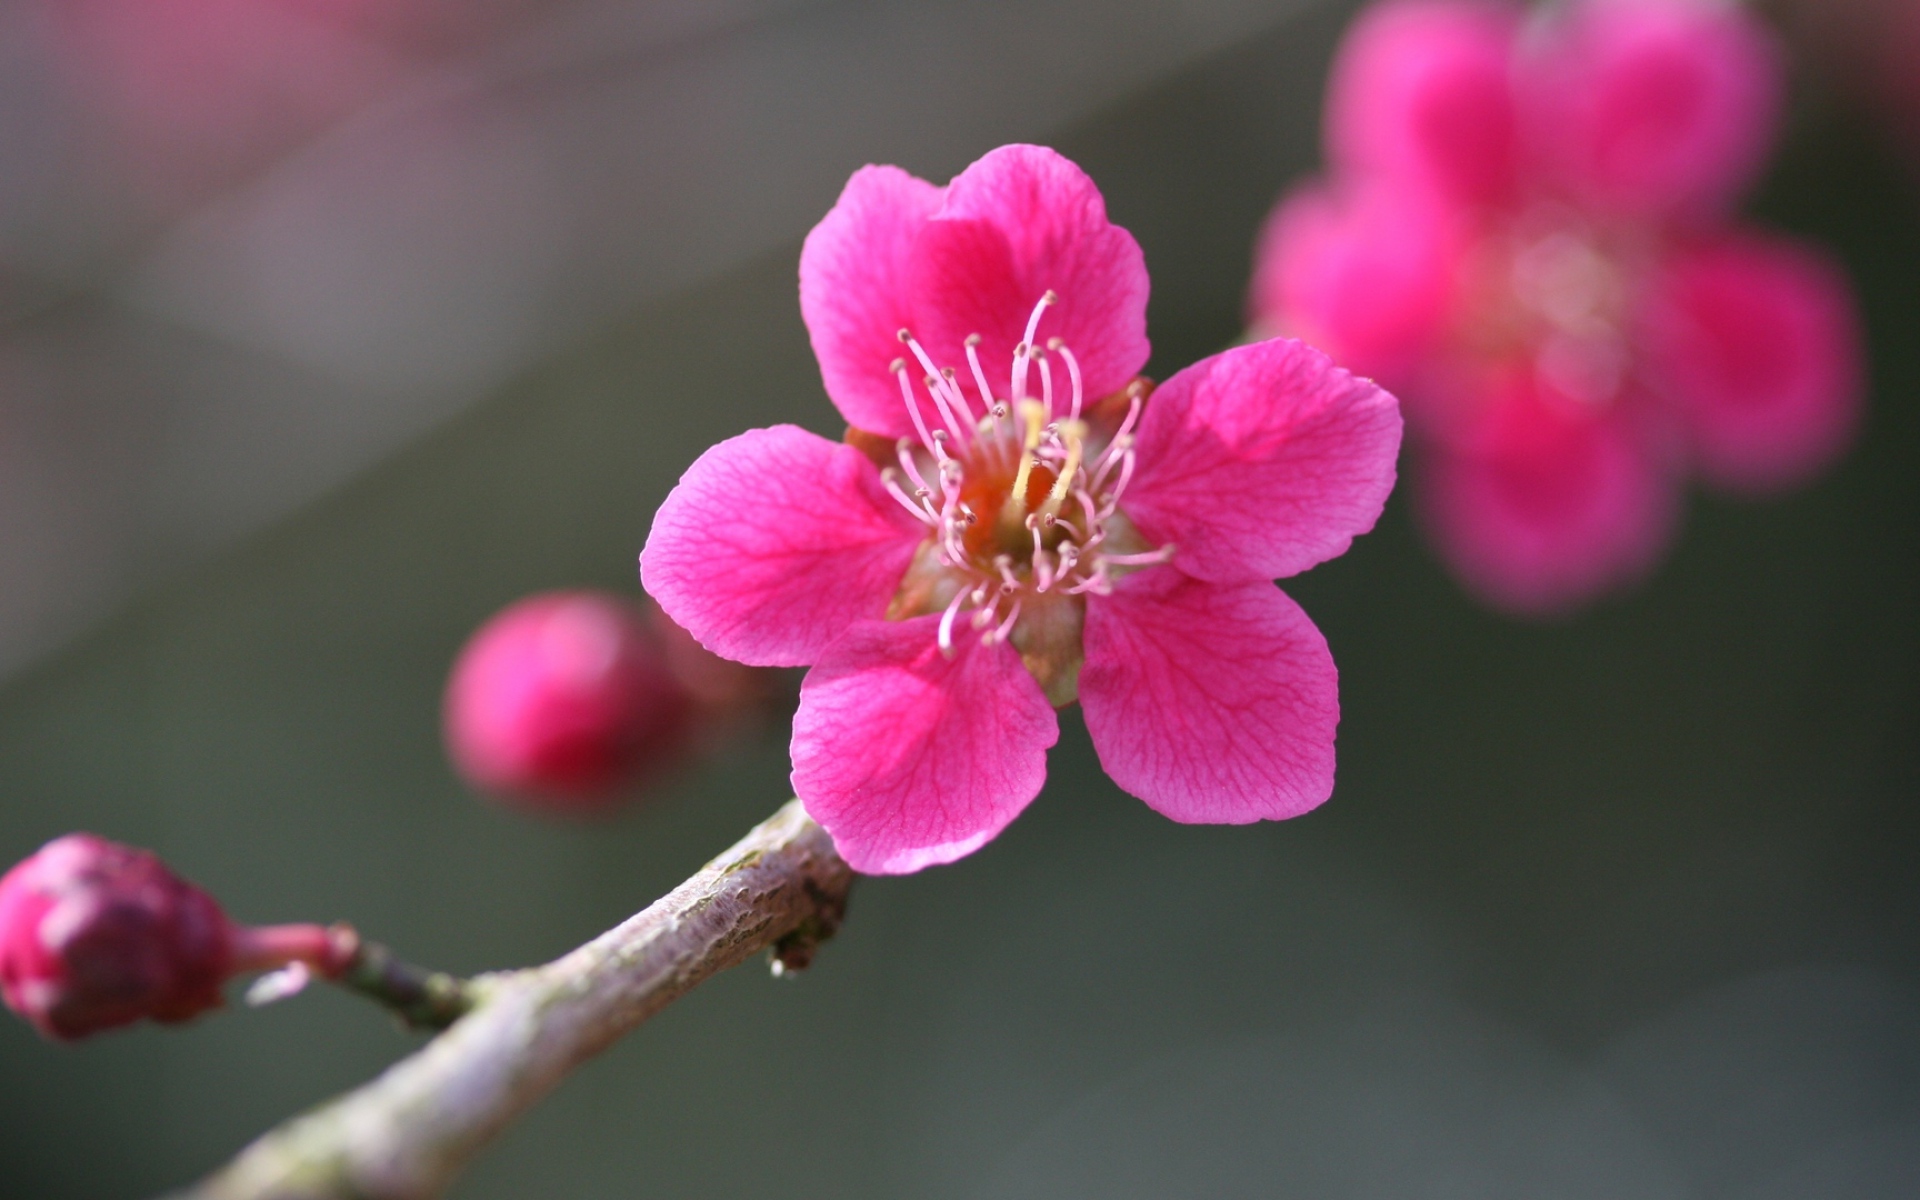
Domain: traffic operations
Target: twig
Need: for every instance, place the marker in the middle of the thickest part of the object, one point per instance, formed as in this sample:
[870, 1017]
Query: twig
[405, 1135]
[422, 998]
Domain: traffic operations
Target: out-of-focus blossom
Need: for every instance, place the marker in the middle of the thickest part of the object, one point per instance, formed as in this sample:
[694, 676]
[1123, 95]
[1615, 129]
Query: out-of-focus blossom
[1018, 520]
[94, 935]
[565, 701]
[1525, 232]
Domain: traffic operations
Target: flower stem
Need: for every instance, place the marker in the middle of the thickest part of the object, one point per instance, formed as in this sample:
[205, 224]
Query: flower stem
[424, 999]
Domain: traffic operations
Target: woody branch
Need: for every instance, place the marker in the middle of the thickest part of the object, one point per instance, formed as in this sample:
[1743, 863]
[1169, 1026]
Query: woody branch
[405, 1135]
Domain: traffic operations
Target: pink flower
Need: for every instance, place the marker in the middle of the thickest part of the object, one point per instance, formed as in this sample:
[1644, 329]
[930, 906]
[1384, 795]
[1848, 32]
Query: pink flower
[1525, 232]
[1018, 520]
[563, 701]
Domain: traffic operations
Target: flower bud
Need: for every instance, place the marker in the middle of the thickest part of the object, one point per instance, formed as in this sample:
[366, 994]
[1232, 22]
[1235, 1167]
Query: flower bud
[564, 700]
[94, 934]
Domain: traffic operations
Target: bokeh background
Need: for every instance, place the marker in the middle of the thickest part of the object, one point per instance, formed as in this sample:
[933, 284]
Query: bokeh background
[328, 327]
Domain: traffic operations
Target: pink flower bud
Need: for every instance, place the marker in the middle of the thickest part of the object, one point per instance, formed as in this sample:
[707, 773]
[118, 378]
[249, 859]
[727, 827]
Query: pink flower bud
[563, 700]
[94, 934]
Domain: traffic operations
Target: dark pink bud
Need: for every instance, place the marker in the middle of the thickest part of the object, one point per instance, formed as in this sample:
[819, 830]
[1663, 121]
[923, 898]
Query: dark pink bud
[563, 700]
[94, 934]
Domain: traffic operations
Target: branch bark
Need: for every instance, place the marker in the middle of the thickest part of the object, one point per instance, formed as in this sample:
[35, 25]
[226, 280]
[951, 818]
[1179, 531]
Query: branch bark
[405, 1135]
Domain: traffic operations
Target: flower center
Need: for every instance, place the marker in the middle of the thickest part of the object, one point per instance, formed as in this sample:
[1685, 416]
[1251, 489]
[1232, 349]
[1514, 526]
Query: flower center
[1557, 293]
[1021, 501]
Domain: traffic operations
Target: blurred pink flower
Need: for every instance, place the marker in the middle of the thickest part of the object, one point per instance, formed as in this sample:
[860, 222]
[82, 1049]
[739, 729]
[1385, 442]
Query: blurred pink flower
[981, 552]
[565, 701]
[1525, 232]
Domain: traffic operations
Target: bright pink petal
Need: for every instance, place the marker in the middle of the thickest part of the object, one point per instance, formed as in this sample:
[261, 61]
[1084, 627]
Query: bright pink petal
[1261, 461]
[1550, 507]
[1214, 704]
[1365, 274]
[1422, 93]
[1758, 343]
[1656, 106]
[854, 292]
[1018, 223]
[775, 542]
[910, 758]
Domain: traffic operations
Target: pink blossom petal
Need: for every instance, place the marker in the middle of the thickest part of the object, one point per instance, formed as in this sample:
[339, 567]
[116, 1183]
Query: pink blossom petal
[1261, 461]
[1366, 274]
[1656, 106]
[1759, 343]
[854, 292]
[1020, 222]
[1422, 93]
[775, 542]
[910, 758]
[1549, 507]
[1214, 704]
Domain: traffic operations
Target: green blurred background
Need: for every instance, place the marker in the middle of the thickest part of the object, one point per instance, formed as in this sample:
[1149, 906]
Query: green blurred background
[1623, 906]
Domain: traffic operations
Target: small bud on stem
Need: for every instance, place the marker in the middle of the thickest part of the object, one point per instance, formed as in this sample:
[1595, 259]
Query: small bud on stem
[95, 935]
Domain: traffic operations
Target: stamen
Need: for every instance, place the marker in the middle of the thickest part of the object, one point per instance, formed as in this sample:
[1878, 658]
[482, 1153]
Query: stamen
[1006, 627]
[1120, 485]
[1147, 559]
[955, 396]
[899, 369]
[1073, 372]
[1042, 571]
[1046, 383]
[1122, 439]
[1094, 530]
[1024, 350]
[1098, 583]
[946, 623]
[922, 510]
[980, 376]
[1108, 462]
[940, 400]
[903, 448]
